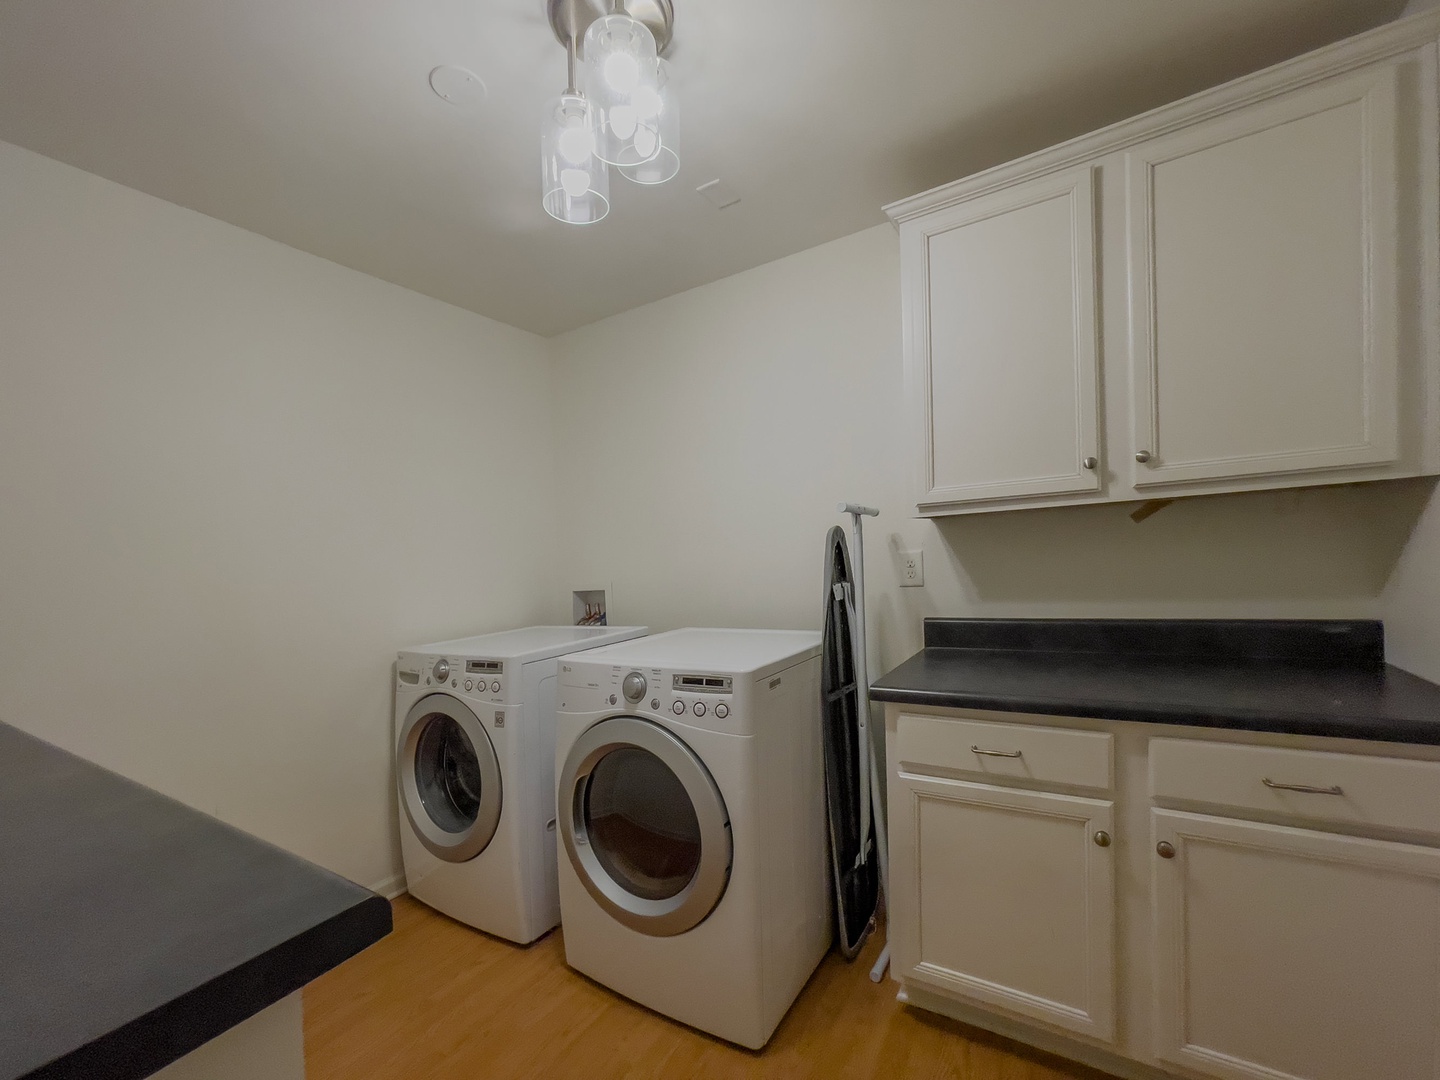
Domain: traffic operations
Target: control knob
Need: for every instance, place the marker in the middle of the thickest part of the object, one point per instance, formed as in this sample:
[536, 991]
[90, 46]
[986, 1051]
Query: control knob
[441, 670]
[633, 687]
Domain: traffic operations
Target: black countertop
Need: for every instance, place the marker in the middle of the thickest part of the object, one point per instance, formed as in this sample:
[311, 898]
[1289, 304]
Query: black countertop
[1301, 677]
[133, 928]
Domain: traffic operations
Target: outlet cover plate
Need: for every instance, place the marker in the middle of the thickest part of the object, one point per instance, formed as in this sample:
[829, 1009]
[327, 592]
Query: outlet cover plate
[912, 569]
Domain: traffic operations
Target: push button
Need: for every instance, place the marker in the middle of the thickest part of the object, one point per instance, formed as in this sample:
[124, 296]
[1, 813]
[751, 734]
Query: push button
[495, 687]
[722, 710]
[469, 684]
[699, 708]
[678, 708]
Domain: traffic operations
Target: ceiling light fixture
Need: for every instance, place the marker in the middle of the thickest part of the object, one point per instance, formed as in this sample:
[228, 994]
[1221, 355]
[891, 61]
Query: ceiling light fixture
[624, 103]
[574, 180]
[621, 82]
[664, 163]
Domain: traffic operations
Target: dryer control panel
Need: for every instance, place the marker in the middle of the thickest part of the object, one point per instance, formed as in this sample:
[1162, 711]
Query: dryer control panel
[703, 699]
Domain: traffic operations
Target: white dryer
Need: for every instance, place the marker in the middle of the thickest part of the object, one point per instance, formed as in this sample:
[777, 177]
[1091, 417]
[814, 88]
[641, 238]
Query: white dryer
[475, 768]
[693, 876]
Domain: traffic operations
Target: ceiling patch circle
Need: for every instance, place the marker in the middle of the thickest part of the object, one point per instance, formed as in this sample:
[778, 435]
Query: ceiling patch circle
[457, 85]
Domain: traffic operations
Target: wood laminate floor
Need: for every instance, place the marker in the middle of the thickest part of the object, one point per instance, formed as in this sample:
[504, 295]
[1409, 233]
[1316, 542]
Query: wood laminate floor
[438, 1001]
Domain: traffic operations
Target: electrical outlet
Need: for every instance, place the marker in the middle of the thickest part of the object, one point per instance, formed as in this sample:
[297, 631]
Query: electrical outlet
[912, 568]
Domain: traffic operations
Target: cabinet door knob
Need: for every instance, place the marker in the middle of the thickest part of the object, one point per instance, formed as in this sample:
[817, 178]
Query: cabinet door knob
[1142, 456]
[1165, 849]
[1090, 463]
[1102, 838]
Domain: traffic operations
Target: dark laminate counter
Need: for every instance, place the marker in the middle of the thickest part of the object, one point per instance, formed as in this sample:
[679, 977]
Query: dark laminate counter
[133, 929]
[1304, 677]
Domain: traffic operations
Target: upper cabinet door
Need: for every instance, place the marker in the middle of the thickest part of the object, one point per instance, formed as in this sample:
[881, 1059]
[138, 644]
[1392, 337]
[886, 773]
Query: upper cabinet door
[1263, 277]
[1000, 350]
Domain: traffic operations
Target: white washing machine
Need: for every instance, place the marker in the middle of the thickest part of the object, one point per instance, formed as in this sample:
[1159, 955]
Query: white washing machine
[692, 816]
[475, 768]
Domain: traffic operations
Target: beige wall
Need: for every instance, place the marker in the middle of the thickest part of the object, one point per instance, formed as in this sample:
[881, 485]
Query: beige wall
[705, 440]
[234, 480]
[1411, 604]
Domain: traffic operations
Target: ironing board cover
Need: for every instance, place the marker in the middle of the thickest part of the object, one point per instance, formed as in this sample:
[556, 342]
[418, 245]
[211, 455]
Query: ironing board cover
[857, 884]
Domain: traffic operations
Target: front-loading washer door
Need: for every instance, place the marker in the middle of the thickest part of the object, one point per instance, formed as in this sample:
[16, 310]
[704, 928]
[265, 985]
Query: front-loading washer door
[449, 778]
[644, 826]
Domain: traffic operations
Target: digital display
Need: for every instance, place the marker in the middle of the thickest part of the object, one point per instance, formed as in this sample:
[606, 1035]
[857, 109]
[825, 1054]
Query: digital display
[483, 666]
[703, 684]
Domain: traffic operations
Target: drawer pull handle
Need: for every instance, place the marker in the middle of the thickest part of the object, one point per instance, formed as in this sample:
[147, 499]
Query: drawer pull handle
[995, 753]
[1308, 789]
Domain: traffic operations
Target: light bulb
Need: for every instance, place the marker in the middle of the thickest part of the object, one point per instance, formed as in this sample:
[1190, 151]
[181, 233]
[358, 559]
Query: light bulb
[622, 121]
[646, 100]
[622, 72]
[646, 142]
[576, 144]
[576, 182]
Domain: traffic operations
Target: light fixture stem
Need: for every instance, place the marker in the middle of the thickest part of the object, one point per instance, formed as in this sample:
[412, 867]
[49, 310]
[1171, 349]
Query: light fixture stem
[570, 64]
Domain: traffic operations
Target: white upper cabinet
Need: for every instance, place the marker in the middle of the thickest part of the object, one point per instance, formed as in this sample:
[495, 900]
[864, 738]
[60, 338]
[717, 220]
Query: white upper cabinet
[1002, 321]
[1237, 291]
[1263, 264]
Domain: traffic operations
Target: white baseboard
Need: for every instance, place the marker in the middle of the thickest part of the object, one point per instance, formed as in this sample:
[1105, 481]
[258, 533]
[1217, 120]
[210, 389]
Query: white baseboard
[389, 887]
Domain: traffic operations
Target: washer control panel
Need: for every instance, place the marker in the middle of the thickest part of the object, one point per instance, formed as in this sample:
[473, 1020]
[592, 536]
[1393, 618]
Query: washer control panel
[485, 678]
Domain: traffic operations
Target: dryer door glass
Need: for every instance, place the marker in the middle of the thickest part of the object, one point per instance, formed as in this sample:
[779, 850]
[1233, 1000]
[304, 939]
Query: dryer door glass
[644, 825]
[447, 774]
[449, 778]
[641, 824]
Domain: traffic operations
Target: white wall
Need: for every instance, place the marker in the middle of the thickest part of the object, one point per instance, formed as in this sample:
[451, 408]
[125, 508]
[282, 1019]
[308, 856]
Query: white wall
[234, 480]
[1411, 603]
[705, 440]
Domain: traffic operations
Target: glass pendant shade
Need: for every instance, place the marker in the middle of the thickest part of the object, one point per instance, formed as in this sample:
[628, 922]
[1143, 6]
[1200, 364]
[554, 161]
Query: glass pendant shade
[665, 162]
[620, 84]
[575, 182]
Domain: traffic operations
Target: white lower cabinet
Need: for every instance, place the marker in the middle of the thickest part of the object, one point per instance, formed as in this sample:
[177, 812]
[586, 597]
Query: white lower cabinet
[1159, 901]
[1290, 953]
[1015, 906]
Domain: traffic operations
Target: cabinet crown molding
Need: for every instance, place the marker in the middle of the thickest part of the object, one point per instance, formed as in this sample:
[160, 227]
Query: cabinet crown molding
[1381, 43]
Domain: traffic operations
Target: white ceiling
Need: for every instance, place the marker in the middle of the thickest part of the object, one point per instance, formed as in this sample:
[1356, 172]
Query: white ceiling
[312, 122]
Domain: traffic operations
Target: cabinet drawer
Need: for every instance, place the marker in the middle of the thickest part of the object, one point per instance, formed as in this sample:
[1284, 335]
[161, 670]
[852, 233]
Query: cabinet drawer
[1017, 751]
[1391, 793]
